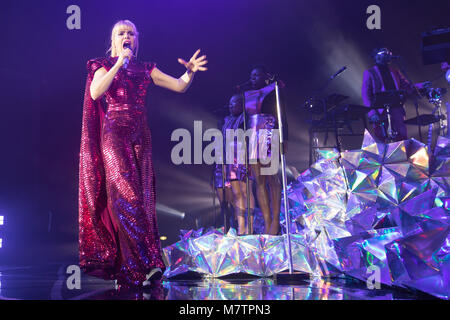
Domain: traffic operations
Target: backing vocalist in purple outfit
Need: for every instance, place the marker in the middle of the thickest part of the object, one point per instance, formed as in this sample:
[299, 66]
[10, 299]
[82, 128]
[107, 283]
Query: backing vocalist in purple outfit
[236, 172]
[261, 107]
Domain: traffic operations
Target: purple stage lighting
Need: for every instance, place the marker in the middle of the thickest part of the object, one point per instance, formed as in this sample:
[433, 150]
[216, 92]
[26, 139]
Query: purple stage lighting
[2, 222]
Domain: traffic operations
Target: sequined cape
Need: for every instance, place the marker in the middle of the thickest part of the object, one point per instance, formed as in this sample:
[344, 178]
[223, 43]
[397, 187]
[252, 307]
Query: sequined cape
[97, 251]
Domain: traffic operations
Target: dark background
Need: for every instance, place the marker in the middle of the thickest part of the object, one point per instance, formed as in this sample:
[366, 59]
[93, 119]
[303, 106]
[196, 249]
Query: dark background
[43, 72]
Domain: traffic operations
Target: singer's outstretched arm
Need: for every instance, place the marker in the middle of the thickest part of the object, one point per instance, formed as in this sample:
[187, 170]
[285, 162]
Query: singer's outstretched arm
[182, 83]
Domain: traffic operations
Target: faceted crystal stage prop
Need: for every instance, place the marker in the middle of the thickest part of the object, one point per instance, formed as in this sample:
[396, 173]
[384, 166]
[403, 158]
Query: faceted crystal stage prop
[379, 214]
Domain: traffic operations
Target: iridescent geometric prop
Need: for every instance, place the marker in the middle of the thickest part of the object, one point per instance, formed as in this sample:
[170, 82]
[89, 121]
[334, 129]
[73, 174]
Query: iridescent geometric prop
[385, 175]
[322, 191]
[440, 170]
[179, 257]
[358, 253]
[383, 208]
[422, 261]
[217, 255]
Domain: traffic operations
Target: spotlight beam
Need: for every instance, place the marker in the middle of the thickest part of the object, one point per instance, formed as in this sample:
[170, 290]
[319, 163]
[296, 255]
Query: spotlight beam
[161, 208]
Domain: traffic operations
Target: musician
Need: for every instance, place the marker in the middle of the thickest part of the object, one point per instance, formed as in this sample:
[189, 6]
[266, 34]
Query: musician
[260, 105]
[385, 77]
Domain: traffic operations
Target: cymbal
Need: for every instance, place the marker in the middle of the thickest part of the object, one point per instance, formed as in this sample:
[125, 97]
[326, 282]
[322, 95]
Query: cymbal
[423, 120]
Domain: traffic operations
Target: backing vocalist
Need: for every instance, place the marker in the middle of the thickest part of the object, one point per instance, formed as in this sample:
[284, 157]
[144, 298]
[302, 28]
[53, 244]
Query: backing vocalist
[260, 105]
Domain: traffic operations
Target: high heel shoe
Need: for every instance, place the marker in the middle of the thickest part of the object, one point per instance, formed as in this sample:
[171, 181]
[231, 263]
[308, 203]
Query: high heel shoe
[153, 275]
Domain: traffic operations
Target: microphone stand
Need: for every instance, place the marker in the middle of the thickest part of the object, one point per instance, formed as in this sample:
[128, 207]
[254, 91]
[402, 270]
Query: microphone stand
[417, 94]
[325, 111]
[338, 144]
[283, 175]
[224, 207]
[214, 197]
[290, 276]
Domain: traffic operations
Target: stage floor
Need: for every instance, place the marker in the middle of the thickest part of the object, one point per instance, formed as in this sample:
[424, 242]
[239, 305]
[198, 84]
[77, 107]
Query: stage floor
[50, 282]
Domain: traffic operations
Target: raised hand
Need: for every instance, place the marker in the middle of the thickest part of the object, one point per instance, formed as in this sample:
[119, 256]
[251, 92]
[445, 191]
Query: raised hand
[126, 53]
[195, 64]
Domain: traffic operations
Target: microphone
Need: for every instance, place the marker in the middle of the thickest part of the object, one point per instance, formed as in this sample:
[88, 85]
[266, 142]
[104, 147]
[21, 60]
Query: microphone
[339, 72]
[272, 77]
[126, 60]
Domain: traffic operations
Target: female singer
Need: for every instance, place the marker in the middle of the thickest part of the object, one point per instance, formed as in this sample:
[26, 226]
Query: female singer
[236, 172]
[117, 219]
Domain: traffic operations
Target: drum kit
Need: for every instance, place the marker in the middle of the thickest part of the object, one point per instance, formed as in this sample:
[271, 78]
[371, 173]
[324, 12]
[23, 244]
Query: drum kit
[334, 115]
[434, 96]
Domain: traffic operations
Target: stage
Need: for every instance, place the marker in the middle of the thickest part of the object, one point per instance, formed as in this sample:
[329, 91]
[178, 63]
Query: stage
[113, 155]
[49, 282]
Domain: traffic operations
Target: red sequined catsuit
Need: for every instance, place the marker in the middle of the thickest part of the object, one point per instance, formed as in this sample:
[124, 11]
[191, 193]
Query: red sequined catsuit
[119, 238]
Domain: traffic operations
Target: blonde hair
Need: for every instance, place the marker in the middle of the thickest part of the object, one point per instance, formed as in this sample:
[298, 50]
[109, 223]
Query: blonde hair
[116, 26]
